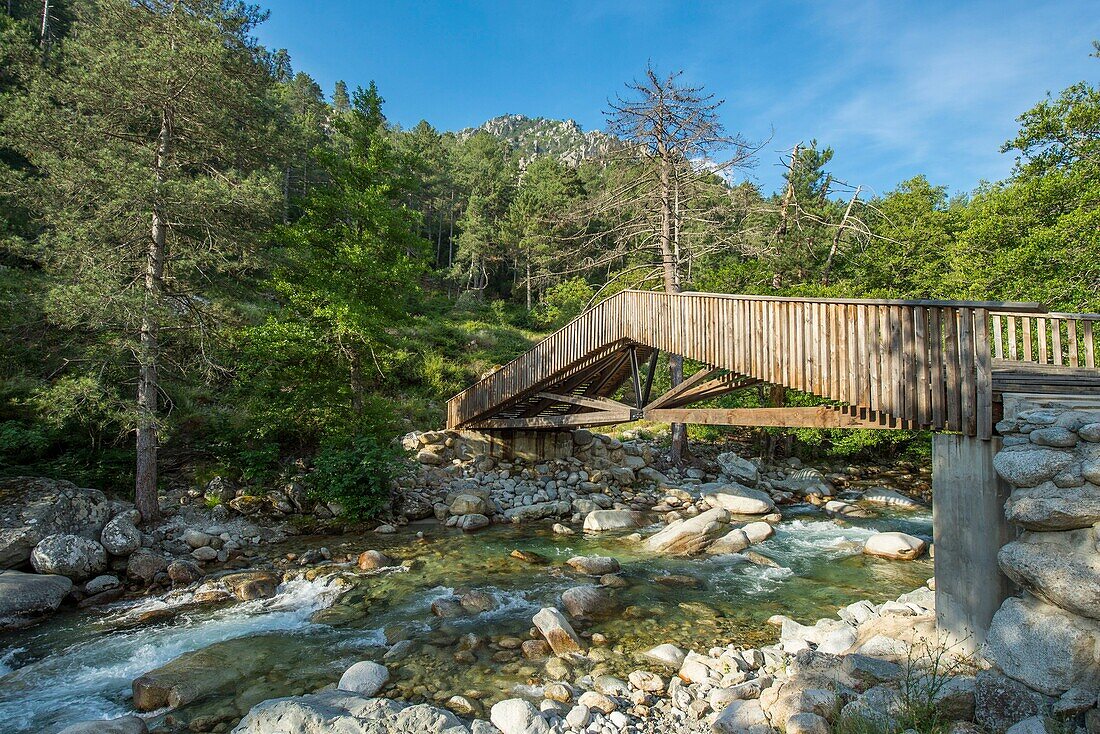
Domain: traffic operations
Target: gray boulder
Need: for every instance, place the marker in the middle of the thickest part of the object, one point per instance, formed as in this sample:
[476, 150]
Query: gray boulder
[1000, 702]
[120, 537]
[690, 537]
[1063, 568]
[738, 469]
[1047, 506]
[890, 498]
[1043, 646]
[741, 500]
[347, 713]
[601, 520]
[69, 555]
[365, 678]
[1028, 465]
[588, 602]
[32, 508]
[25, 598]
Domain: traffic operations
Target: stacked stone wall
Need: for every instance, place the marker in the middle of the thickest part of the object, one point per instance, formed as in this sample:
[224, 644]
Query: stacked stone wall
[1048, 636]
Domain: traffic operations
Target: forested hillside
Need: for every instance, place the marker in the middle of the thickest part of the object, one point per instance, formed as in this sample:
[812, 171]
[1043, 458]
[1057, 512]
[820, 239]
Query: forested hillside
[206, 260]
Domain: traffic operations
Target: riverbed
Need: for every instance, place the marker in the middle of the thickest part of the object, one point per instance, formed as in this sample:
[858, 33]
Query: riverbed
[80, 664]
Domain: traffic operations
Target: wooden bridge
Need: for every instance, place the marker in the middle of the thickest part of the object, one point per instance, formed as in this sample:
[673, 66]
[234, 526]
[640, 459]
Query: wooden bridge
[939, 365]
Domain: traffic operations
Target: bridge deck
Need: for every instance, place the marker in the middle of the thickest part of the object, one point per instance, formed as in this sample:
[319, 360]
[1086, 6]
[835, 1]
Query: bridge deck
[940, 365]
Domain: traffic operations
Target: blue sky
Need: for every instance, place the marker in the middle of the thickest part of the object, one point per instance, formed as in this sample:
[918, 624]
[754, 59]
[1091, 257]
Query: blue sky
[896, 88]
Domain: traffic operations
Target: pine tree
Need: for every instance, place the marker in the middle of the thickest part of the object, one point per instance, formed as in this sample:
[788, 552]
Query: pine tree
[148, 133]
[340, 100]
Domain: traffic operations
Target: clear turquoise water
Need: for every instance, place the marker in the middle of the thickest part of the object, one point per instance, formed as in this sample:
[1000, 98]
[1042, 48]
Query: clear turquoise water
[79, 665]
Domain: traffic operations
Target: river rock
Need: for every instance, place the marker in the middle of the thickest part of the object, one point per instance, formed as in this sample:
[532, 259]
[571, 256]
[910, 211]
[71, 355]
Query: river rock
[517, 716]
[601, 520]
[738, 469]
[588, 602]
[183, 572]
[593, 565]
[667, 655]
[898, 546]
[806, 723]
[553, 626]
[372, 560]
[692, 536]
[124, 725]
[476, 602]
[205, 554]
[578, 716]
[734, 541]
[741, 500]
[347, 713]
[1000, 702]
[468, 504]
[69, 555]
[840, 508]
[249, 585]
[196, 674]
[643, 680]
[1043, 646]
[1063, 568]
[32, 508]
[144, 564]
[882, 495]
[120, 537]
[470, 523]
[535, 559]
[739, 717]
[1029, 466]
[365, 678]
[25, 598]
[538, 511]
[1050, 507]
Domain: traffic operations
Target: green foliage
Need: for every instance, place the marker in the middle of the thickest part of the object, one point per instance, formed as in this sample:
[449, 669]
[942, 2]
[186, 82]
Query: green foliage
[355, 473]
[562, 303]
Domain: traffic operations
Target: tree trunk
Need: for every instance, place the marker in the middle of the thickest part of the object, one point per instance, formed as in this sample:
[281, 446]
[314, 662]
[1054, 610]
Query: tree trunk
[356, 380]
[148, 442]
[528, 282]
[671, 273]
[836, 238]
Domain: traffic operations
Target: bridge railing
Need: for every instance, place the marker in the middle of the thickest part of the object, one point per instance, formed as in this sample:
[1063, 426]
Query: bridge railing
[913, 364]
[1060, 339]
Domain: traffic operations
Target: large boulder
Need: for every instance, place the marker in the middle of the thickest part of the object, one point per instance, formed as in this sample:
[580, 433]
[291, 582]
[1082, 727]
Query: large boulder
[538, 511]
[1047, 506]
[690, 537]
[740, 717]
[69, 555]
[1001, 702]
[1028, 465]
[601, 520]
[1043, 646]
[738, 469]
[890, 498]
[897, 546]
[553, 626]
[588, 602]
[517, 716]
[741, 500]
[1063, 568]
[200, 673]
[32, 508]
[468, 504]
[593, 565]
[348, 713]
[365, 678]
[120, 536]
[25, 598]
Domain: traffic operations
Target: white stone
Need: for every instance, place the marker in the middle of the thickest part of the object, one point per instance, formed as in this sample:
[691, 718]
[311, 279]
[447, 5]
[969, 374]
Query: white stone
[898, 546]
[741, 501]
[559, 634]
[68, 555]
[365, 678]
[517, 716]
[738, 469]
[692, 536]
[667, 655]
[578, 716]
[739, 717]
[643, 680]
[601, 520]
[120, 537]
[891, 498]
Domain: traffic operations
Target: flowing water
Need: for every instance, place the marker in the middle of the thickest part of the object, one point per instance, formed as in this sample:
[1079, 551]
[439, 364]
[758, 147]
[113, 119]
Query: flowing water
[80, 664]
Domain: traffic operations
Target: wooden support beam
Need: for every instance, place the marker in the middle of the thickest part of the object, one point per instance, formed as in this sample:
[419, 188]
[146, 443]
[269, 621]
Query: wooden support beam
[683, 387]
[710, 389]
[597, 403]
[822, 416]
[596, 418]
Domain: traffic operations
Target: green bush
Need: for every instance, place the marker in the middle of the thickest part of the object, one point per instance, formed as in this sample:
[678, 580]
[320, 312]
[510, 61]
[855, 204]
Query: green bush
[562, 303]
[355, 473]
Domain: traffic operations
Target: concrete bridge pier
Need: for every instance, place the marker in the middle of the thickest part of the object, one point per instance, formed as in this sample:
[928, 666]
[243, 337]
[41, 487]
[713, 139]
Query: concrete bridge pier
[969, 526]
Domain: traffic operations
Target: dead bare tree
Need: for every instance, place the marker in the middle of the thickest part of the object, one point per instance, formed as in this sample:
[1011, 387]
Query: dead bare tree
[674, 167]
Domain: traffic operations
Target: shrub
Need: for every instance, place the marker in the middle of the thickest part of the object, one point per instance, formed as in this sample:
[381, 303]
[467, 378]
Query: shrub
[562, 303]
[355, 473]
